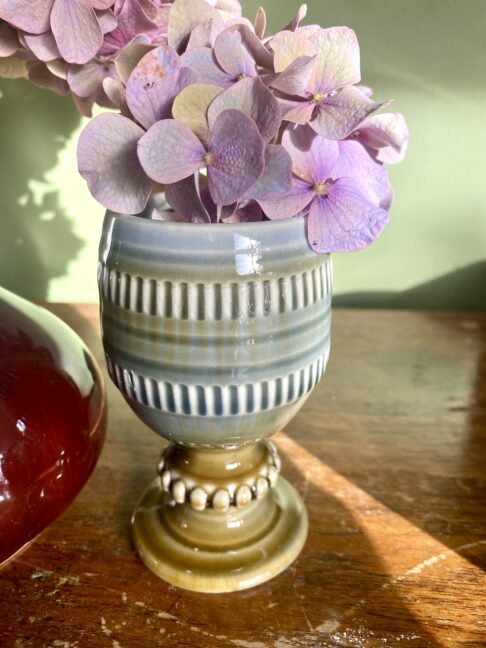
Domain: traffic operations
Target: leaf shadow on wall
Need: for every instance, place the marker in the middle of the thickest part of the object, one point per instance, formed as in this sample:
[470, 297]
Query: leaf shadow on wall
[37, 240]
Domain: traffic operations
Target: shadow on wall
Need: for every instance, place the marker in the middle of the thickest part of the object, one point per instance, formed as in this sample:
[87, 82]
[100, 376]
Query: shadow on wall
[37, 241]
[462, 290]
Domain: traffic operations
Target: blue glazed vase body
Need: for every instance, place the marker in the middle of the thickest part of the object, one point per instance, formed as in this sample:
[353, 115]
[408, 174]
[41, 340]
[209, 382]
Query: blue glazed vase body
[215, 335]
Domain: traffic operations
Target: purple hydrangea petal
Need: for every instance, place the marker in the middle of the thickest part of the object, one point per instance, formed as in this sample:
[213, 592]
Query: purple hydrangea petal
[238, 156]
[131, 21]
[339, 114]
[191, 107]
[232, 55]
[297, 199]
[183, 197]
[385, 136]
[345, 220]
[313, 158]
[225, 213]
[9, 42]
[297, 112]
[68, 21]
[84, 105]
[288, 46]
[217, 213]
[208, 202]
[101, 4]
[153, 85]
[249, 212]
[107, 160]
[58, 67]
[152, 8]
[29, 15]
[168, 215]
[262, 56]
[295, 79]
[184, 17]
[186, 78]
[170, 152]
[338, 59]
[202, 61]
[251, 97]
[370, 176]
[40, 75]
[86, 79]
[103, 100]
[388, 199]
[276, 178]
[43, 46]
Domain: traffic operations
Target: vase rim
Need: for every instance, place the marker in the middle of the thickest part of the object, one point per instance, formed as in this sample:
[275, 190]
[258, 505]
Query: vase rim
[294, 222]
[158, 201]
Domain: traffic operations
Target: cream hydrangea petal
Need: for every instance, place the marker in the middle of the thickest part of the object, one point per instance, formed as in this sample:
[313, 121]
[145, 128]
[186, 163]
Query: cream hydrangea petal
[129, 56]
[184, 17]
[338, 59]
[191, 107]
[289, 46]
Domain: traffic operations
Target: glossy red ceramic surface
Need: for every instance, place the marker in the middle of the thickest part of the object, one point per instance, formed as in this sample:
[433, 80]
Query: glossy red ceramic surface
[52, 419]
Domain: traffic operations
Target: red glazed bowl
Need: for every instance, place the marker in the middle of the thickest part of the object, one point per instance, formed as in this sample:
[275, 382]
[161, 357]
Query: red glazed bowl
[52, 420]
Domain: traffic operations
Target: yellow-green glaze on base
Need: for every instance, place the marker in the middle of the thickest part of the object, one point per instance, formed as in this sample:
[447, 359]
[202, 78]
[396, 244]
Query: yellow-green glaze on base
[211, 551]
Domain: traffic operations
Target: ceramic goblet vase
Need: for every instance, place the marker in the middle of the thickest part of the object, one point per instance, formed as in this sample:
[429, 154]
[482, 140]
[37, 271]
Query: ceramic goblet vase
[215, 335]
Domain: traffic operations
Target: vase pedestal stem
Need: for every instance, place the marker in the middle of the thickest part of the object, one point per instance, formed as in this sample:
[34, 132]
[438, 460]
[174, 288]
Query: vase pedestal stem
[219, 520]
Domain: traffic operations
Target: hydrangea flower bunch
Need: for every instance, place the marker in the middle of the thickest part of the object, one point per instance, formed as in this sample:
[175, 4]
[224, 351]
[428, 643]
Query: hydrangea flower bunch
[234, 126]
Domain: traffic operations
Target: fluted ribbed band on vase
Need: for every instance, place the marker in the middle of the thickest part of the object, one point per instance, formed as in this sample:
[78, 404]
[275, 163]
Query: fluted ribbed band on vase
[214, 334]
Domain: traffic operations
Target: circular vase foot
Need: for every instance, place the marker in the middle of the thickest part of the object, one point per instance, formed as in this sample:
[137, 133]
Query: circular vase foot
[213, 551]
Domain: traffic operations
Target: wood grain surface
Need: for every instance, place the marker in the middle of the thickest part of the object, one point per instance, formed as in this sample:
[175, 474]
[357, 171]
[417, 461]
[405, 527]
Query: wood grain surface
[389, 454]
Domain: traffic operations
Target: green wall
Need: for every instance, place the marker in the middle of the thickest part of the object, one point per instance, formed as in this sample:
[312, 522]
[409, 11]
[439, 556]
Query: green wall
[429, 55]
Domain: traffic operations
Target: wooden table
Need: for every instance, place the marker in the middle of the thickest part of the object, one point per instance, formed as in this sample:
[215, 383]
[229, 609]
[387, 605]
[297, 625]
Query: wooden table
[389, 454]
